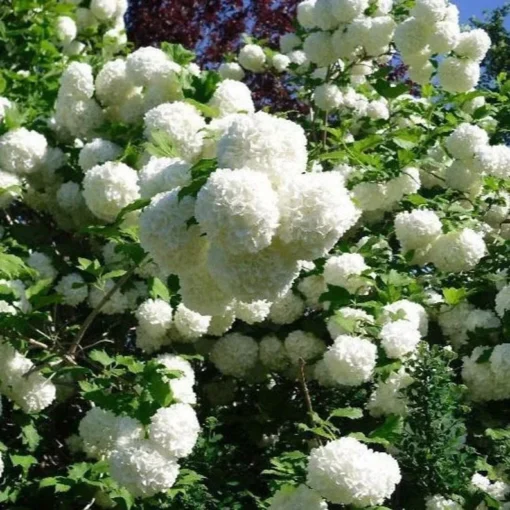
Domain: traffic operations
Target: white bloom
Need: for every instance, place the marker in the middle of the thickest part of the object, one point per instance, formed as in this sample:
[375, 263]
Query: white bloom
[466, 140]
[289, 42]
[191, 325]
[300, 498]
[345, 270]
[316, 210]
[439, 502]
[399, 338]
[498, 490]
[482, 319]
[305, 13]
[410, 311]
[253, 312]
[287, 309]
[347, 472]
[494, 160]
[163, 174]
[453, 322]
[10, 188]
[503, 301]
[417, 229]
[458, 251]
[182, 387]
[143, 468]
[354, 315]
[328, 97]
[112, 83]
[118, 302]
[273, 354]
[235, 354]
[232, 97]
[238, 209]
[22, 151]
[96, 152]
[473, 44]
[378, 110]
[220, 324]
[318, 47]
[264, 143]
[231, 71]
[77, 81]
[445, 37]
[175, 429]
[101, 430]
[73, 289]
[5, 105]
[411, 37]
[303, 345]
[66, 29]
[69, 196]
[280, 62]
[108, 10]
[351, 360]
[166, 234]
[108, 188]
[430, 11]
[312, 287]
[252, 58]
[155, 317]
[346, 10]
[182, 123]
[456, 75]
[387, 398]
[43, 265]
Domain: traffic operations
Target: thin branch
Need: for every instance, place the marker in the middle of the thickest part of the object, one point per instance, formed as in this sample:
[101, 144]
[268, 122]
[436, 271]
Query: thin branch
[90, 319]
[304, 388]
[37, 344]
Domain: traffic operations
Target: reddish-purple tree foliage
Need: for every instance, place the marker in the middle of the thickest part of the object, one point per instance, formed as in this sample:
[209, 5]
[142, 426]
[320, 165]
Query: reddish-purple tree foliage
[214, 28]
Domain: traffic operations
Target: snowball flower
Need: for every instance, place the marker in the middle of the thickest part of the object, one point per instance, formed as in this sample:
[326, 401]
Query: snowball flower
[328, 97]
[100, 430]
[300, 498]
[253, 312]
[252, 58]
[238, 209]
[399, 338]
[289, 42]
[445, 37]
[118, 302]
[96, 152]
[264, 143]
[235, 354]
[10, 185]
[458, 251]
[408, 310]
[494, 160]
[388, 398]
[69, 196]
[232, 96]
[112, 83]
[182, 387]
[411, 37]
[430, 11]
[108, 188]
[191, 325]
[351, 360]
[503, 301]
[163, 174]
[73, 289]
[182, 123]
[456, 75]
[175, 429]
[345, 270]
[273, 354]
[66, 29]
[346, 10]
[439, 502]
[280, 63]
[302, 345]
[305, 13]
[43, 265]
[143, 469]
[231, 71]
[473, 44]
[417, 229]
[22, 151]
[107, 10]
[318, 47]
[287, 309]
[464, 142]
[76, 82]
[335, 323]
[155, 317]
[347, 472]
[316, 210]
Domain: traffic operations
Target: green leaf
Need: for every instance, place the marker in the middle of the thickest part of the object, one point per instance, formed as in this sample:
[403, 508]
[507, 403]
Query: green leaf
[101, 357]
[12, 267]
[116, 273]
[353, 413]
[30, 436]
[454, 296]
[388, 90]
[135, 206]
[77, 471]
[161, 145]
[203, 87]
[160, 389]
[390, 430]
[485, 356]
[498, 434]
[211, 112]
[23, 461]
[157, 289]
[178, 53]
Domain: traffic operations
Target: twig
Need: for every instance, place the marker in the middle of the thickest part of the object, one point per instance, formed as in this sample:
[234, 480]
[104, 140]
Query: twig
[37, 344]
[90, 319]
[304, 388]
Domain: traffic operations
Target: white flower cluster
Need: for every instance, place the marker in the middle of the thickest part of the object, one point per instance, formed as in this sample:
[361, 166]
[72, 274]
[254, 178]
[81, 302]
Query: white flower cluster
[487, 380]
[439, 502]
[387, 398]
[345, 271]
[22, 151]
[20, 382]
[297, 498]
[154, 320]
[73, 289]
[347, 472]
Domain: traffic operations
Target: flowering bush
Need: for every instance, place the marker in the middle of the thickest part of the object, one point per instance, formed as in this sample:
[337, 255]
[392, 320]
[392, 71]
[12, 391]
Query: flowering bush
[207, 306]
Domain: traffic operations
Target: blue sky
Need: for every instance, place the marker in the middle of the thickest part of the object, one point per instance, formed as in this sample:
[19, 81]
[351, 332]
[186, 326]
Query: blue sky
[470, 8]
